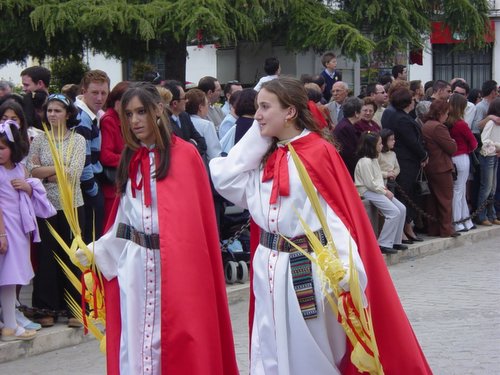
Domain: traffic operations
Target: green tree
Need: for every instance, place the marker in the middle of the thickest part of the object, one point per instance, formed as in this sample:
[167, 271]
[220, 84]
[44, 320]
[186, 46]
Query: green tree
[67, 70]
[135, 28]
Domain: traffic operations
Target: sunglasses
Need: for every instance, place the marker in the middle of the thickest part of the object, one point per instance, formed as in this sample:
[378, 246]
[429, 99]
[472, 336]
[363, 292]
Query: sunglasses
[60, 97]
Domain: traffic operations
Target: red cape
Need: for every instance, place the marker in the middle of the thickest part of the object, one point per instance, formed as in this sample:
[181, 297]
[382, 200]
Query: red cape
[196, 334]
[399, 350]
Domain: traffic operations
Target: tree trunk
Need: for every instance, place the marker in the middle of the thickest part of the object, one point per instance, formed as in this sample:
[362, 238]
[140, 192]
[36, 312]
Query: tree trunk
[175, 60]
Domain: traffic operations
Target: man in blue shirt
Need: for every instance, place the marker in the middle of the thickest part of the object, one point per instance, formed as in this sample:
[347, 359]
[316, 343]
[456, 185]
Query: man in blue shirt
[95, 90]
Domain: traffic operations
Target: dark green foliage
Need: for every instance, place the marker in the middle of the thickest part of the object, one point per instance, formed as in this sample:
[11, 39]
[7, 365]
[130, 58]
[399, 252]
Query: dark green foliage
[67, 70]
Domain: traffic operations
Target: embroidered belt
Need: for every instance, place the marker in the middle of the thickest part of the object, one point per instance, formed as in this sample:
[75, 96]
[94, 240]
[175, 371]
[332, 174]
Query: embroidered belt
[149, 241]
[277, 242]
[300, 267]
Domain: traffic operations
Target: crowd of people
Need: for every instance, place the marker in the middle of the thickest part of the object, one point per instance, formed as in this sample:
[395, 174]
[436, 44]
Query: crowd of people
[130, 153]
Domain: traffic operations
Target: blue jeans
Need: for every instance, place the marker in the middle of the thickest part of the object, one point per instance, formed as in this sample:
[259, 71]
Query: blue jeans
[488, 185]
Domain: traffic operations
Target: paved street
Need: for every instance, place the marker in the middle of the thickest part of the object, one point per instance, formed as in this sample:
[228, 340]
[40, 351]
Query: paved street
[452, 299]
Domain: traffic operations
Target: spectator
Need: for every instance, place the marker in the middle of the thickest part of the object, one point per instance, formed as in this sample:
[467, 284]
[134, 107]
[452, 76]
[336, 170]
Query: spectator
[71, 90]
[474, 96]
[197, 108]
[5, 88]
[212, 89]
[440, 90]
[439, 170]
[365, 122]
[346, 135]
[466, 143]
[459, 86]
[409, 149]
[245, 111]
[229, 89]
[490, 151]
[340, 90]
[231, 117]
[330, 74]
[112, 145]
[11, 110]
[370, 184]
[50, 282]
[400, 72]
[272, 68]
[35, 78]
[95, 90]
[180, 122]
[377, 92]
[388, 161]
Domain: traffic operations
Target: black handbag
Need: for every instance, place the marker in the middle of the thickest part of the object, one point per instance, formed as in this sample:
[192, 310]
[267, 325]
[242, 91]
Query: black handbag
[421, 184]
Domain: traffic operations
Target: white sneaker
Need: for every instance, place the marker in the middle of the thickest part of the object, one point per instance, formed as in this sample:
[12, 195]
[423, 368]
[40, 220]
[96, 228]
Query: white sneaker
[26, 323]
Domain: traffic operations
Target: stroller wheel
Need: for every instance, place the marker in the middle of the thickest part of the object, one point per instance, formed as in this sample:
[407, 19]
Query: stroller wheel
[230, 271]
[242, 272]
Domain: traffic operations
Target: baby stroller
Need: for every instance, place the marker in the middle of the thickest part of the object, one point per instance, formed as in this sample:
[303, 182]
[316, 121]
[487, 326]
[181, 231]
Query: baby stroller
[235, 244]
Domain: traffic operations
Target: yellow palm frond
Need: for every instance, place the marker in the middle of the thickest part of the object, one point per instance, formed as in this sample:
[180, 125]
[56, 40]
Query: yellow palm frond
[92, 288]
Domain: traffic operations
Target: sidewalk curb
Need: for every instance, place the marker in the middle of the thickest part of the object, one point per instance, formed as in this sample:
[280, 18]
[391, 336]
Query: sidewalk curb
[61, 336]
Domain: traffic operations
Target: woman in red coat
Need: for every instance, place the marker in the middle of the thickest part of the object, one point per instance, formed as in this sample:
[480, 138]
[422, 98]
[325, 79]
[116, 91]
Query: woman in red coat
[111, 144]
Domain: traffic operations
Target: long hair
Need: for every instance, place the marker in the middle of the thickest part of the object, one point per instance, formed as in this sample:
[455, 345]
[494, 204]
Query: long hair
[458, 103]
[23, 128]
[291, 93]
[150, 98]
[367, 146]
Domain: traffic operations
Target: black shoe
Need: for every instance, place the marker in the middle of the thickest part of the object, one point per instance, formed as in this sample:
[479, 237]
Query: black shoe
[400, 247]
[387, 250]
[455, 234]
[407, 242]
[414, 239]
[473, 227]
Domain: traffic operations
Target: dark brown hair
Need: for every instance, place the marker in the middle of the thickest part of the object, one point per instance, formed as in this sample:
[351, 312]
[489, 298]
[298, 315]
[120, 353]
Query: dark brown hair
[18, 110]
[150, 98]
[116, 94]
[367, 146]
[291, 93]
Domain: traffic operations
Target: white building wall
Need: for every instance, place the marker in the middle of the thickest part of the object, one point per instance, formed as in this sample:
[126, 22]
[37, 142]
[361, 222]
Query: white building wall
[201, 62]
[422, 72]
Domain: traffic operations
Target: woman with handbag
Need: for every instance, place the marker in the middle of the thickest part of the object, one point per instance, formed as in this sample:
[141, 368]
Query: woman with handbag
[439, 170]
[466, 144]
[111, 145]
[409, 150]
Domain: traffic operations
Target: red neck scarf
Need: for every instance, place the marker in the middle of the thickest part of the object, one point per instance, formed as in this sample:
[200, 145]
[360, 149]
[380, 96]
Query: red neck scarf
[141, 158]
[276, 169]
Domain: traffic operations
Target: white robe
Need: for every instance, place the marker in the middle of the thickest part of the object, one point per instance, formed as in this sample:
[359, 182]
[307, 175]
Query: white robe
[139, 275]
[283, 343]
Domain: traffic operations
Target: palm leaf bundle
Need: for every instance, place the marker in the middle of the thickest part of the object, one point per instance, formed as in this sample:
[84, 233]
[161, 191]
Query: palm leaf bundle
[348, 306]
[90, 311]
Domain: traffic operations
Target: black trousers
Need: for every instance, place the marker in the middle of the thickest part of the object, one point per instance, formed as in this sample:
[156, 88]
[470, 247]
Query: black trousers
[50, 282]
[94, 216]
